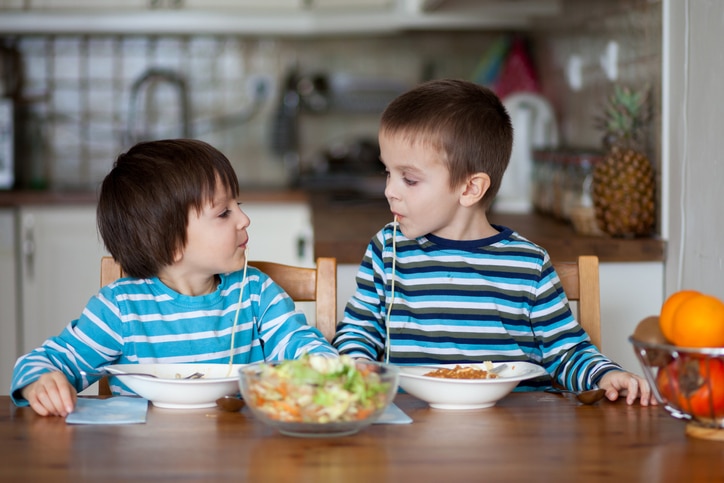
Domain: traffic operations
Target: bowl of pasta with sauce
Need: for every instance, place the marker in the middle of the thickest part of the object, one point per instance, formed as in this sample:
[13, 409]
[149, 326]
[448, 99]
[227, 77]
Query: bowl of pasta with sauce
[465, 386]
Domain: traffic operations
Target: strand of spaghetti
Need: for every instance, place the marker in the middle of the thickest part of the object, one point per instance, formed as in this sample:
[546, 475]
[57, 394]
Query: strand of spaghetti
[392, 292]
[236, 316]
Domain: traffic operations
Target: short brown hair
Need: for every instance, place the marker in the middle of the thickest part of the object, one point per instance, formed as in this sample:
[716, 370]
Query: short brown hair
[145, 200]
[467, 123]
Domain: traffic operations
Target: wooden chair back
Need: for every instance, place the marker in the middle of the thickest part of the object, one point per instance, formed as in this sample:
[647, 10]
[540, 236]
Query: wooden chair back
[580, 280]
[318, 285]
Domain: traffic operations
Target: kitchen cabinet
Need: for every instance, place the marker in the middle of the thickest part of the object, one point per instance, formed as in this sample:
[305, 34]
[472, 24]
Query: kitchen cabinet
[270, 17]
[280, 232]
[59, 262]
[8, 299]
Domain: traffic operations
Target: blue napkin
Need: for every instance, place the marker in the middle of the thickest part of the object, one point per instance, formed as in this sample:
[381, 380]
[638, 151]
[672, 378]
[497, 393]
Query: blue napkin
[393, 415]
[114, 410]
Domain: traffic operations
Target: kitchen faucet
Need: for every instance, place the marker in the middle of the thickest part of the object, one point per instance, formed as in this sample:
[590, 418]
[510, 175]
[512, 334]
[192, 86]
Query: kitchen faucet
[147, 79]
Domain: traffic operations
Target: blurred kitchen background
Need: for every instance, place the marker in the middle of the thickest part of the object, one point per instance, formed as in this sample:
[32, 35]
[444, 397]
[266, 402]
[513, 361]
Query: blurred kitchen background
[279, 103]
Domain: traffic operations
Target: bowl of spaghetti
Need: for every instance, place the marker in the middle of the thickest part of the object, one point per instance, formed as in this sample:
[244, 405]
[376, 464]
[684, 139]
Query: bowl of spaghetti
[166, 387]
[465, 386]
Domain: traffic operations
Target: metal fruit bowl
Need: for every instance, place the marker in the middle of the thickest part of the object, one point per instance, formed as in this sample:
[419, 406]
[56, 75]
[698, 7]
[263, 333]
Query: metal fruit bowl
[688, 382]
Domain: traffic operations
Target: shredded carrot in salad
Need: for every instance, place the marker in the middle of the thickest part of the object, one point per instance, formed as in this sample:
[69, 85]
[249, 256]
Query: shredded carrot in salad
[317, 389]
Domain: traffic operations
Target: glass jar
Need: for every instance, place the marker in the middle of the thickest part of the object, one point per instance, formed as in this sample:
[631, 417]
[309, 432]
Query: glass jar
[541, 181]
[580, 179]
[580, 208]
[559, 167]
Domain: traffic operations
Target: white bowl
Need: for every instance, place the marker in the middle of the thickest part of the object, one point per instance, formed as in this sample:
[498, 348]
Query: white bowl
[465, 394]
[167, 390]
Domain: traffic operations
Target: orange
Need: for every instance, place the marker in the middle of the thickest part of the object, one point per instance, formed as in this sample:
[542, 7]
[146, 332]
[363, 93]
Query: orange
[666, 319]
[698, 321]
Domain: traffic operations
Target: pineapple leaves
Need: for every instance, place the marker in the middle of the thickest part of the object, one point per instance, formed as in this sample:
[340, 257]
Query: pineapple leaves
[625, 116]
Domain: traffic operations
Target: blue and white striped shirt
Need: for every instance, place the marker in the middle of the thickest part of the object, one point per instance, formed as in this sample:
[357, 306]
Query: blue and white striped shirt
[496, 299]
[144, 321]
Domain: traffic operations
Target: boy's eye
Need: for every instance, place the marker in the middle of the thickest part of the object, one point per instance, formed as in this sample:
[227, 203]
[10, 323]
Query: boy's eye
[227, 212]
[409, 182]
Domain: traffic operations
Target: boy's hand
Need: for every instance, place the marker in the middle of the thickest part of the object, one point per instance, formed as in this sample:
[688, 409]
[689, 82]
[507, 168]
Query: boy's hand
[51, 395]
[618, 383]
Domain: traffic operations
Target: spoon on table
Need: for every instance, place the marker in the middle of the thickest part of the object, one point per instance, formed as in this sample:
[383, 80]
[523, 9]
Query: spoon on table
[590, 396]
[231, 404]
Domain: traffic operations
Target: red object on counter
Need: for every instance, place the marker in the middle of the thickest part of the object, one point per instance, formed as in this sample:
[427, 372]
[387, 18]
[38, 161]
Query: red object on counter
[518, 73]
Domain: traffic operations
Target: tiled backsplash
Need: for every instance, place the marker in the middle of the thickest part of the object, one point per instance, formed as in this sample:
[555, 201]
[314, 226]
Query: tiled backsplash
[80, 88]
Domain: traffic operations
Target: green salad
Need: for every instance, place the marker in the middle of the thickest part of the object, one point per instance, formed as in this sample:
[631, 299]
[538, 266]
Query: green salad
[317, 389]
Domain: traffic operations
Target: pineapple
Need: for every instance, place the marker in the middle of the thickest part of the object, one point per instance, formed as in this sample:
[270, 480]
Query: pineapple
[623, 189]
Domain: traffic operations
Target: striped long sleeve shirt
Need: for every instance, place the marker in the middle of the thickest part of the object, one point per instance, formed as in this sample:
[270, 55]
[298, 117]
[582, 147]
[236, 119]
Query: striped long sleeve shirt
[496, 299]
[144, 321]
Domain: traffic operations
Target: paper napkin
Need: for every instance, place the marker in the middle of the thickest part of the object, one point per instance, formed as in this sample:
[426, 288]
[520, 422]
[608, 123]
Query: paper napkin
[114, 410]
[393, 415]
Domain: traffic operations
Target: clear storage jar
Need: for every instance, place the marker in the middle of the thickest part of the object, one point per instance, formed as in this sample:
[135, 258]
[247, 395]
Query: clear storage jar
[581, 212]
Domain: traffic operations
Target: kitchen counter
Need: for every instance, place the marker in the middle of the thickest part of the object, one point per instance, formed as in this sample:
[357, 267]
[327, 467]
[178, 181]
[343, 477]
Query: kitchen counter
[29, 197]
[343, 228]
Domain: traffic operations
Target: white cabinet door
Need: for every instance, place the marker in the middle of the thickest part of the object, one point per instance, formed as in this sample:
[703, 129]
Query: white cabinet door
[8, 299]
[280, 232]
[60, 268]
[630, 292]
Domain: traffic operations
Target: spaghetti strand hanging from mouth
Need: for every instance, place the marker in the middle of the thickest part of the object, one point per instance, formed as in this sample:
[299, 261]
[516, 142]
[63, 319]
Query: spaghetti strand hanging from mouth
[236, 316]
[392, 291]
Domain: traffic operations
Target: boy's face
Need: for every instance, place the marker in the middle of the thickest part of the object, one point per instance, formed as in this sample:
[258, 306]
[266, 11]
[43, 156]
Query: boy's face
[418, 189]
[216, 236]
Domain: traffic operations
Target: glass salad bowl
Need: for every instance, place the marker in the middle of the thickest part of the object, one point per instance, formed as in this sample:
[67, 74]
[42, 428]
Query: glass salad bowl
[317, 396]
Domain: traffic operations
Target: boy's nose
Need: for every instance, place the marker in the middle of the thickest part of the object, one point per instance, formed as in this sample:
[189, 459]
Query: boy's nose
[389, 192]
[244, 220]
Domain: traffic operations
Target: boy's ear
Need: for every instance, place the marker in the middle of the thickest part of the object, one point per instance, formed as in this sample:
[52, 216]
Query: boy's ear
[474, 189]
[178, 255]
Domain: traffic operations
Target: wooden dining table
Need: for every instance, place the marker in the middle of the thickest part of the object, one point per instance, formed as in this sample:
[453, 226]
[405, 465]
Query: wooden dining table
[530, 436]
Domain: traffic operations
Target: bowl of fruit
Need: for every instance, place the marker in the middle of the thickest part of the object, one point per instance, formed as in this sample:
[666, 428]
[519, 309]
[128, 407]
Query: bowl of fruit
[681, 352]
